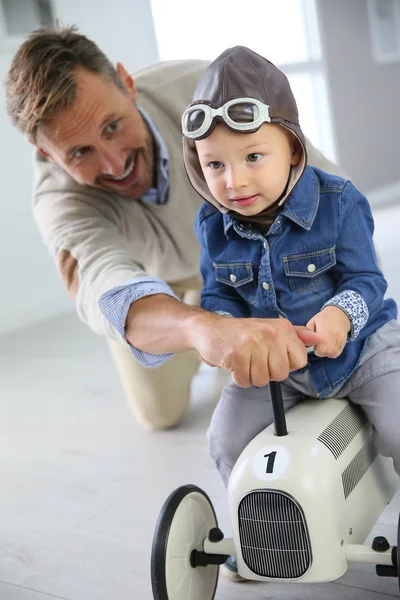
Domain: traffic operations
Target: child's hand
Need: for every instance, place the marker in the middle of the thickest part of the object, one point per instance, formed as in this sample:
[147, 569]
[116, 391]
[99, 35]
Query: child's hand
[333, 325]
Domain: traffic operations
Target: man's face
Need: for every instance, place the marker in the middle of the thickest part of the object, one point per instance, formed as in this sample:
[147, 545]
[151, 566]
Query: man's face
[102, 141]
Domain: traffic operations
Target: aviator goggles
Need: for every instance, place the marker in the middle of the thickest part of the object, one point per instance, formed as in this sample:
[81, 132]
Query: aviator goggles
[240, 114]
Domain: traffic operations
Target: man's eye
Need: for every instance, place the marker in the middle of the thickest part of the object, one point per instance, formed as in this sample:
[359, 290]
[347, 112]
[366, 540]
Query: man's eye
[215, 164]
[112, 127]
[81, 152]
[254, 157]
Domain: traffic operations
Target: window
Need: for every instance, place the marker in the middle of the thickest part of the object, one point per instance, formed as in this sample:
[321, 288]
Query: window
[284, 31]
[384, 21]
[20, 17]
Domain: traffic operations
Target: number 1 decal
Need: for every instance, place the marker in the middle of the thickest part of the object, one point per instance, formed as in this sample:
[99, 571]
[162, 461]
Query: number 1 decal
[271, 462]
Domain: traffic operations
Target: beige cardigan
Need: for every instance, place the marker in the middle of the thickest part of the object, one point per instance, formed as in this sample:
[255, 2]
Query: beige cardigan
[99, 239]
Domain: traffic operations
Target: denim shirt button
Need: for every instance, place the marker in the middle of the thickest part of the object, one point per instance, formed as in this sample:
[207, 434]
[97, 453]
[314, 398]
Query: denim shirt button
[265, 245]
[233, 278]
[265, 285]
[311, 268]
[241, 227]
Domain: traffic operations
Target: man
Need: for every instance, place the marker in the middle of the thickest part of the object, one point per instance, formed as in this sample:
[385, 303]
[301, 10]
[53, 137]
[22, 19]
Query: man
[116, 211]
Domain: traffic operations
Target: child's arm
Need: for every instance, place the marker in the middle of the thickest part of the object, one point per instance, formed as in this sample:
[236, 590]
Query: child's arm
[360, 284]
[216, 296]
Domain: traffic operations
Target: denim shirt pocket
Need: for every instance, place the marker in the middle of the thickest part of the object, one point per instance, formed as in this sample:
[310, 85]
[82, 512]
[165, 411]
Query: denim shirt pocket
[239, 276]
[305, 270]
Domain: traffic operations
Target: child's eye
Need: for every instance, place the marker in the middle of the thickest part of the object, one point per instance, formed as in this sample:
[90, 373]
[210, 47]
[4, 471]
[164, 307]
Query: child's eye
[254, 157]
[215, 164]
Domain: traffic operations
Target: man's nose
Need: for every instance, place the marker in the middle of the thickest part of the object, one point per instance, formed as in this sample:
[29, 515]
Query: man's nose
[112, 161]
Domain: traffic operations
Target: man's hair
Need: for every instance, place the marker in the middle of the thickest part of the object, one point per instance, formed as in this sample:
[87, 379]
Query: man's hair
[41, 81]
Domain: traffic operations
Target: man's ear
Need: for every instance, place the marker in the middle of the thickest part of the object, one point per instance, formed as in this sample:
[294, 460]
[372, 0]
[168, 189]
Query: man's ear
[128, 81]
[39, 148]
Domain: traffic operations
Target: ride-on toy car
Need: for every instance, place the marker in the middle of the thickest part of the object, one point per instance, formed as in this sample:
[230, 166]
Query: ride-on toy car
[303, 497]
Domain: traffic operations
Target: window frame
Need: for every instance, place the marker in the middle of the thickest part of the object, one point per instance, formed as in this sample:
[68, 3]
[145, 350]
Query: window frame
[378, 55]
[315, 66]
[9, 43]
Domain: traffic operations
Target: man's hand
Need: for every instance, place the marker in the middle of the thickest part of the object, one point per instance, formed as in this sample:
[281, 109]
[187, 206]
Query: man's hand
[255, 351]
[333, 326]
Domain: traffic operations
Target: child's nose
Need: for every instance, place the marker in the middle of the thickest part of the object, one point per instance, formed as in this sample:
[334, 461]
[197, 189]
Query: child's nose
[236, 179]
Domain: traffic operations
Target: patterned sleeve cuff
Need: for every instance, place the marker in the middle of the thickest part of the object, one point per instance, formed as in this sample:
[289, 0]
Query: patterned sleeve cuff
[115, 305]
[223, 313]
[355, 307]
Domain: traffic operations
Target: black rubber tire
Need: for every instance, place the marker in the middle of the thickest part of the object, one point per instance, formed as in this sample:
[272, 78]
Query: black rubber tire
[160, 540]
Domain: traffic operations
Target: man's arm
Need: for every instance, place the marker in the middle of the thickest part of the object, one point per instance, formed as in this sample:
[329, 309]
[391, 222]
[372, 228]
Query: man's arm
[255, 351]
[81, 230]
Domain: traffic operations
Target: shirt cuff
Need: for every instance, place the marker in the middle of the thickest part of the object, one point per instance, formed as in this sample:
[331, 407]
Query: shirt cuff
[223, 313]
[115, 305]
[355, 307]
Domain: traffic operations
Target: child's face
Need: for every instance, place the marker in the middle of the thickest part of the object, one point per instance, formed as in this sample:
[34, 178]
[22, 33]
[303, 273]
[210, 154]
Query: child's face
[247, 172]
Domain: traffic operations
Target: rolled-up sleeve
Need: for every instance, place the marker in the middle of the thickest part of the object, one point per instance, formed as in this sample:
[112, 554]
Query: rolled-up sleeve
[115, 305]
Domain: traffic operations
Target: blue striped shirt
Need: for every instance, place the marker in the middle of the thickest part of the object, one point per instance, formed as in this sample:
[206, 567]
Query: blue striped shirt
[115, 303]
[158, 195]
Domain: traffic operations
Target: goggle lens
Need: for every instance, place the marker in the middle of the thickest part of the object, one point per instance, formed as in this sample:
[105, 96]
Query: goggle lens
[243, 112]
[194, 120]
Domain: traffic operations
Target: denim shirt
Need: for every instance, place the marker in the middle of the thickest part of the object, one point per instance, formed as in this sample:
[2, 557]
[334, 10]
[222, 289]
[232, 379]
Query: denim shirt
[318, 252]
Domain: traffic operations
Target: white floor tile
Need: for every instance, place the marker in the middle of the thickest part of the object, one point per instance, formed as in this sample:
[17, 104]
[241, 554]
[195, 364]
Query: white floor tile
[82, 484]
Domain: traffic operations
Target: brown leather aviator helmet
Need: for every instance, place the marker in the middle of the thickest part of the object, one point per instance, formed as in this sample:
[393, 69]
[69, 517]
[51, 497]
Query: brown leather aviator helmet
[241, 73]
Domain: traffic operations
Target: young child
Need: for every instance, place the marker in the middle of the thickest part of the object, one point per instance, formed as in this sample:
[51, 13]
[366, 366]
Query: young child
[283, 239]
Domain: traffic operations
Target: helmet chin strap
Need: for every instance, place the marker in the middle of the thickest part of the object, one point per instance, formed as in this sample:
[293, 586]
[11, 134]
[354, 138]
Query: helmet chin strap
[285, 188]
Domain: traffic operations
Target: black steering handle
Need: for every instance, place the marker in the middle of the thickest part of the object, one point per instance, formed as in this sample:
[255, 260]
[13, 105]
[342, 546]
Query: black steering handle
[277, 408]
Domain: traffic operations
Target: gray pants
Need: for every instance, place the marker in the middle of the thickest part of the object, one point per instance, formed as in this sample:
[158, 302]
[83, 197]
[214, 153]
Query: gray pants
[242, 413]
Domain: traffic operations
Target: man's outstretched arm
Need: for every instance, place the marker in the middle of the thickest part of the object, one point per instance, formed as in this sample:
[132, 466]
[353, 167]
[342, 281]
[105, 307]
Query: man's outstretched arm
[255, 351]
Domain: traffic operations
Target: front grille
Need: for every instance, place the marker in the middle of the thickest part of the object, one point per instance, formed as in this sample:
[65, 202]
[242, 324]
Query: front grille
[273, 535]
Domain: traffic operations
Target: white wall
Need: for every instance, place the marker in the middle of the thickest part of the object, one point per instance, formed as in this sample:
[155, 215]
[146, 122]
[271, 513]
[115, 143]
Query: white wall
[123, 28]
[30, 288]
[364, 97]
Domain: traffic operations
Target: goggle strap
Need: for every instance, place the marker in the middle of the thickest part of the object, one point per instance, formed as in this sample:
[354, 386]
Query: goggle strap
[278, 114]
